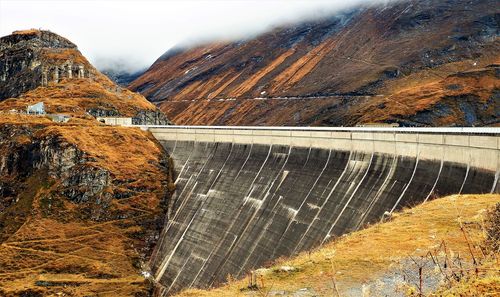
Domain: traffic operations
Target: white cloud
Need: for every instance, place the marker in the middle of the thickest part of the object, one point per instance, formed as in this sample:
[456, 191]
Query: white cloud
[135, 32]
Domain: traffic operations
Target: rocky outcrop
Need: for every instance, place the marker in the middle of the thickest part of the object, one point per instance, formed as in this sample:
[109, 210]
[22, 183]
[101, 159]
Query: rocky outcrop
[95, 195]
[90, 195]
[150, 117]
[23, 152]
[85, 183]
[122, 78]
[35, 38]
[98, 112]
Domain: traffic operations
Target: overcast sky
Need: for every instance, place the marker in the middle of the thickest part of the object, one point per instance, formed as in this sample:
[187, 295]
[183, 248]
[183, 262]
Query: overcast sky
[138, 32]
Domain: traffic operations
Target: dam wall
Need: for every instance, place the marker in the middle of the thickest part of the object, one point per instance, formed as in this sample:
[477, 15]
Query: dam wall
[246, 196]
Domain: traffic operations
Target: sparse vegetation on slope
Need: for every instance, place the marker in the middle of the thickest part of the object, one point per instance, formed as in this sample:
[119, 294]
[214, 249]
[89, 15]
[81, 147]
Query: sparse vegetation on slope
[79, 96]
[41, 66]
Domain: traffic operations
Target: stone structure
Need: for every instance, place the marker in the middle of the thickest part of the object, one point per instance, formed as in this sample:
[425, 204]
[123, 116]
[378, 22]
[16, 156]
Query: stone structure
[65, 70]
[56, 75]
[115, 121]
[59, 118]
[45, 80]
[69, 70]
[245, 196]
[81, 71]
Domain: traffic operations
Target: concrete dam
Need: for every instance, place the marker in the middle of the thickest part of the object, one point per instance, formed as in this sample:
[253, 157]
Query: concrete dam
[247, 195]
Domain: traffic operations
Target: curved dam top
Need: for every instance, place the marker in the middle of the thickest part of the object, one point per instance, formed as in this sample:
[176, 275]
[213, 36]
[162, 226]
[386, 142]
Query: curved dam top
[248, 195]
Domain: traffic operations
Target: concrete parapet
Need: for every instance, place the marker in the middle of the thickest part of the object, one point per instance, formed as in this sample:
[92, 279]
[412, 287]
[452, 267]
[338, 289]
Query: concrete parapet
[477, 149]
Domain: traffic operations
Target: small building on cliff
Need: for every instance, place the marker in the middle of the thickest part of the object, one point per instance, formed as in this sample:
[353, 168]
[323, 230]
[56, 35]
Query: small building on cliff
[36, 109]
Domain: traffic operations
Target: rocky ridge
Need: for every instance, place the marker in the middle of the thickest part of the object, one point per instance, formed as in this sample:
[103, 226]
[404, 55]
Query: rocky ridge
[122, 78]
[79, 204]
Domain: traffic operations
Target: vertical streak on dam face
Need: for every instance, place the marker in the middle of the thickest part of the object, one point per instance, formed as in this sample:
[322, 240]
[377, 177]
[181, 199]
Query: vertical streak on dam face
[247, 196]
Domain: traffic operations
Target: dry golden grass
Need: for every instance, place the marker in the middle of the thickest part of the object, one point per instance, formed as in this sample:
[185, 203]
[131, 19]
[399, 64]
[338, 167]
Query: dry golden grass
[85, 253]
[477, 287]
[416, 94]
[365, 255]
[51, 244]
[59, 56]
[123, 151]
[250, 82]
[89, 257]
[26, 32]
[6, 118]
[75, 97]
[409, 96]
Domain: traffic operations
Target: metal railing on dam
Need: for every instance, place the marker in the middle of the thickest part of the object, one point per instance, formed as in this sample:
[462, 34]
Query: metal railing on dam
[248, 195]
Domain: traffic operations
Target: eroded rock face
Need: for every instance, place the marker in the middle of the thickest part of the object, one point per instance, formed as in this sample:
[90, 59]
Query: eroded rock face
[99, 112]
[43, 66]
[35, 38]
[23, 152]
[86, 183]
[95, 196]
[150, 117]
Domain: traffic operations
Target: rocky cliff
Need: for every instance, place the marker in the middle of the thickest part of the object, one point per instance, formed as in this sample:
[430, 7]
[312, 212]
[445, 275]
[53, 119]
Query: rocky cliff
[416, 63]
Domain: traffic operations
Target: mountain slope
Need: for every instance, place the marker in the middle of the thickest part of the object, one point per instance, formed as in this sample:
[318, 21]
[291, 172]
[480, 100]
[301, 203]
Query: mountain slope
[338, 68]
[81, 203]
[122, 78]
[78, 213]
[43, 66]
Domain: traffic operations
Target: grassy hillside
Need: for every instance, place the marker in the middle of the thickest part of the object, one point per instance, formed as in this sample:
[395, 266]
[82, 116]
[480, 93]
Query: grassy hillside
[73, 86]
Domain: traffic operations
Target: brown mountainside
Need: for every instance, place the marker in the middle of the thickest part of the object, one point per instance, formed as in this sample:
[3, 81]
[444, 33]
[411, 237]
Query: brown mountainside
[412, 62]
[81, 203]
[81, 206]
